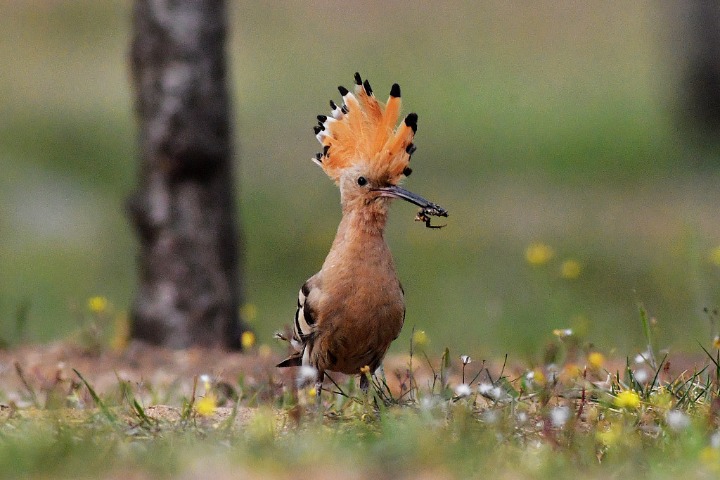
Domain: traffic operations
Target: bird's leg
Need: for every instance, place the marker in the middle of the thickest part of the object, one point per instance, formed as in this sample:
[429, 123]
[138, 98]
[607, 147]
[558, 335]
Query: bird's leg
[364, 383]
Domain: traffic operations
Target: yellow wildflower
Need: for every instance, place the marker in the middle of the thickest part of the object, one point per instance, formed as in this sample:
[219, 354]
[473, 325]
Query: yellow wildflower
[247, 339]
[627, 399]
[97, 304]
[312, 392]
[710, 457]
[596, 360]
[716, 341]
[714, 256]
[538, 254]
[572, 370]
[365, 370]
[420, 338]
[536, 376]
[609, 436]
[207, 405]
[570, 269]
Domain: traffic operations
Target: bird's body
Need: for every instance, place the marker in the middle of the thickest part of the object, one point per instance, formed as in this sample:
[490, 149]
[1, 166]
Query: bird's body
[356, 301]
[351, 310]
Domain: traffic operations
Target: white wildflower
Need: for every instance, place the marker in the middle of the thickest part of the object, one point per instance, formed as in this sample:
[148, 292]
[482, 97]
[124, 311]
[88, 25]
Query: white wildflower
[428, 403]
[562, 332]
[641, 375]
[559, 416]
[484, 388]
[490, 416]
[463, 390]
[715, 440]
[677, 420]
[465, 359]
[206, 381]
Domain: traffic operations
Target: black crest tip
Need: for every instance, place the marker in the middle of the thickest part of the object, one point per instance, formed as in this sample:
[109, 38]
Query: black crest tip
[358, 80]
[317, 129]
[343, 91]
[367, 87]
[411, 121]
[407, 171]
[333, 106]
[410, 149]
[395, 90]
[325, 150]
[321, 118]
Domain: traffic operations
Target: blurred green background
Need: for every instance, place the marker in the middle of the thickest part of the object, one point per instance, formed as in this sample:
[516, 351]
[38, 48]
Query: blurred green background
[551, 122]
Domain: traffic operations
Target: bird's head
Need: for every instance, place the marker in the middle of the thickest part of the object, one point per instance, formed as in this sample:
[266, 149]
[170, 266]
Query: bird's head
[365, 153]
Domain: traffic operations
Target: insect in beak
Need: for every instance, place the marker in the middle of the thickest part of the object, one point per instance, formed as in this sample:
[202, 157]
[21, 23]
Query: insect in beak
[427, 208]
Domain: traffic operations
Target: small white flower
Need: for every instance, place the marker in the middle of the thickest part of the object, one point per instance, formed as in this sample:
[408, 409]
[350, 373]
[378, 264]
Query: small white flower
[643, 357]
[715, 440]
[306, 375]
[428, 403]
[465, 359]
[530, 375]
[563, 332]
[641, 375]
[677, 420]
[206, 381]
[484, 388]
[463, 390]
[496, 393]
[559, 416]
[521, 417]
[490, 416]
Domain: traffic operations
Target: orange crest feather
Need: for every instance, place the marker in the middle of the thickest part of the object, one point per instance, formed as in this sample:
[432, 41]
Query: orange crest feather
[363, 131]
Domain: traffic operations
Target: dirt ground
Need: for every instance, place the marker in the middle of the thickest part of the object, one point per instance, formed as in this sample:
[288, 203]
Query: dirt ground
[42, 366]
[37, 374]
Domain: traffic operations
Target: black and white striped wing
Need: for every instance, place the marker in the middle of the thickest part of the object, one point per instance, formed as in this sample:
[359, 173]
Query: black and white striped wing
[303, 328]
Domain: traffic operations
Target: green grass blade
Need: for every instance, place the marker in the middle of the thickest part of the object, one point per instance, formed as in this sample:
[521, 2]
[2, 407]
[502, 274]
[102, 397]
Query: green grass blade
[96, 398]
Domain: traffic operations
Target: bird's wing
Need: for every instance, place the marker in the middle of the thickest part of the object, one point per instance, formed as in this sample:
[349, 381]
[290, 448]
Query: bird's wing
[304, 325]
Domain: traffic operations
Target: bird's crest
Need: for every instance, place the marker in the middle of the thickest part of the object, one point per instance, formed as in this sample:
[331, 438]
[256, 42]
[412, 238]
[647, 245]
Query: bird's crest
[363, 131]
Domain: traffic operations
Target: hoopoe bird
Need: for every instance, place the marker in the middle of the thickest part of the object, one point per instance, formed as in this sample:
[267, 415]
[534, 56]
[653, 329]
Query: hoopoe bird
[349, 312]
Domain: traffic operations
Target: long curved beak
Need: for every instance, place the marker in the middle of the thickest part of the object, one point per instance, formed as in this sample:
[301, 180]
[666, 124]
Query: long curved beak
[429, 208]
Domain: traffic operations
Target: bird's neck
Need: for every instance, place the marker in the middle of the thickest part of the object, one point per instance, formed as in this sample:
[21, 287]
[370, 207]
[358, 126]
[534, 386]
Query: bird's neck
[359, 238]
[368, 220]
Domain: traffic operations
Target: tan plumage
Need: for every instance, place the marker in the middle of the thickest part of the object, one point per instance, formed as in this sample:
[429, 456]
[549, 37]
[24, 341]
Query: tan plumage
[351, 310]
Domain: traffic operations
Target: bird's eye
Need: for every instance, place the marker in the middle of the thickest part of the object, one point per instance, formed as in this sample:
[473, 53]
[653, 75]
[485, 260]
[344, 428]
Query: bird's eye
[362, 181]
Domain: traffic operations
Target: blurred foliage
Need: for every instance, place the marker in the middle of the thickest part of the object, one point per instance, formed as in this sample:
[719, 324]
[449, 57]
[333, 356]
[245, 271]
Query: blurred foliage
[548, 122]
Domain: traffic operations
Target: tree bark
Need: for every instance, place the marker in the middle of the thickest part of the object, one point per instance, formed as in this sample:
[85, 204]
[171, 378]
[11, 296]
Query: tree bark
[184, 210]
[703, 76]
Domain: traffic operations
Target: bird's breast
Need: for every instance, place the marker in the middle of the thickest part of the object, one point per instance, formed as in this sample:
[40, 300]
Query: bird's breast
[362, 309]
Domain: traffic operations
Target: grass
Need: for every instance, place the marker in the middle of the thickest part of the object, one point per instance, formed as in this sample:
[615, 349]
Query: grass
[574, 413]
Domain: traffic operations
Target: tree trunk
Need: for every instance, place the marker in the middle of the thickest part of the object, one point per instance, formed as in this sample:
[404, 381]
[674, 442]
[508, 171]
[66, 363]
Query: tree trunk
[184, 209]
[703, 77]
